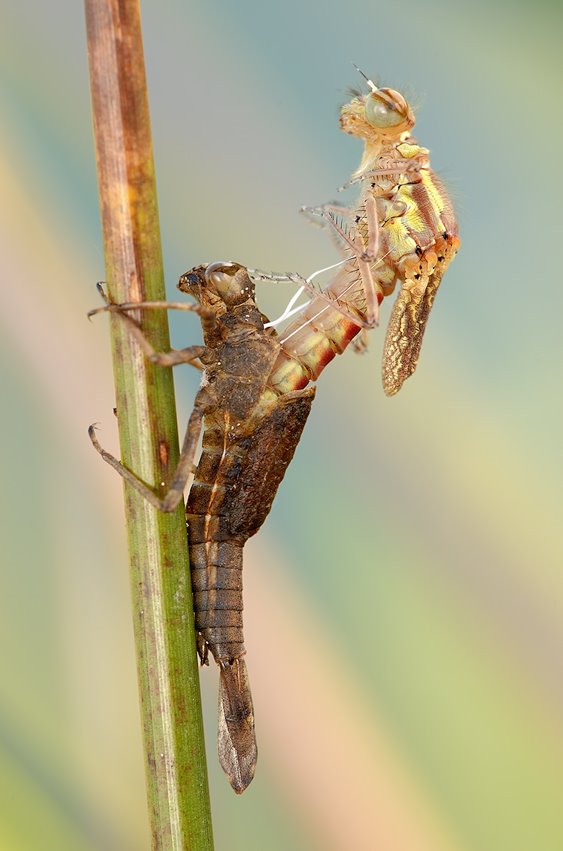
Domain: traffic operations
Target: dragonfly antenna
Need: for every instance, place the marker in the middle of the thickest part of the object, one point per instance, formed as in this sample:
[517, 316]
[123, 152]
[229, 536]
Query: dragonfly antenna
[370, 83]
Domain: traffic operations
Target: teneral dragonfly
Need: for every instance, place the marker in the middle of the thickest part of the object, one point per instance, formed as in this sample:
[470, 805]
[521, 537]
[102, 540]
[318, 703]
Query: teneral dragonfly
[402, 230]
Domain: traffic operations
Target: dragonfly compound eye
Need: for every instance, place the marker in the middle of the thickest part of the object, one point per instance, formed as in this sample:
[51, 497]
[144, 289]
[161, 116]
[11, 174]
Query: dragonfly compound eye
[387, 109]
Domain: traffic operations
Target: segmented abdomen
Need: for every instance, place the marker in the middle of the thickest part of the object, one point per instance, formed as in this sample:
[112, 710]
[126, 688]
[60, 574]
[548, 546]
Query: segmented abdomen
[320, 333]
[215, 555]
[235, 483]
[216, 568]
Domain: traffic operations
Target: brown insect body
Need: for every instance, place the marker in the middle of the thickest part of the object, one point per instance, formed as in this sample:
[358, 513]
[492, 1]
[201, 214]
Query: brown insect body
[250, 435]
[250, 432]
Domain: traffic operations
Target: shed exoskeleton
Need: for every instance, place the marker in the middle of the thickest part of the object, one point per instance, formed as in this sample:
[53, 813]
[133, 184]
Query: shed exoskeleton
[250, 432]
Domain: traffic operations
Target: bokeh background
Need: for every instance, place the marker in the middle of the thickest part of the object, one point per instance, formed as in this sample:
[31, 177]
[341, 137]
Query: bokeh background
[404, 601]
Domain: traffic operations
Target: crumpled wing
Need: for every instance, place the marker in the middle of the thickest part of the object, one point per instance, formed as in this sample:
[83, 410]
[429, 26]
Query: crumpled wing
[410, 313]
[405, 330]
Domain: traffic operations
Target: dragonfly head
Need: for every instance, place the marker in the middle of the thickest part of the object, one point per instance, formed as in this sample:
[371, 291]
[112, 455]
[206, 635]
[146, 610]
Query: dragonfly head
[220, 281]
[381, 116]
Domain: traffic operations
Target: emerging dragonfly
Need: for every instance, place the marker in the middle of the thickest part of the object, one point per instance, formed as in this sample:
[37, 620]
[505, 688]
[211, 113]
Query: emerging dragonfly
[250, 434]
[254, 400]
[402, 230]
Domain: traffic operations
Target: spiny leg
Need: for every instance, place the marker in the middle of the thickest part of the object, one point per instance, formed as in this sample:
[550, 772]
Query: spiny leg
[113, 307]
[319, 211]
[185, 464]
[409, 167]
[318, 216]
[207, 316]
[306, 286]
[366, 255]
[190, 355]
[367, 252]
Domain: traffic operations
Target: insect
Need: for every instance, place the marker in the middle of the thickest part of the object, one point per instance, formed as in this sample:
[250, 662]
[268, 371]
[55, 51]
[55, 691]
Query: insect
[250, 434]
[403, 230]
[254, 399]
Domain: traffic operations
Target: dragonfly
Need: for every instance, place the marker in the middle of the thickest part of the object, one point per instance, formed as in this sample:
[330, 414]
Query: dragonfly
[256, 396]
[402, 231]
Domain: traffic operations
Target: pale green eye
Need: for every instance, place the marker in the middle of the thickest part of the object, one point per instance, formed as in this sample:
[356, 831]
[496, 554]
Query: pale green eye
[380, 114]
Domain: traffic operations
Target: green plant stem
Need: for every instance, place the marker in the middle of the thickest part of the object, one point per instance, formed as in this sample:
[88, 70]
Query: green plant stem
[178, 796]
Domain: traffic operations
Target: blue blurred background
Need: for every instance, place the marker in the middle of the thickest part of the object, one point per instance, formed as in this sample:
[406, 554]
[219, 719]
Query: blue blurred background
[404, 601]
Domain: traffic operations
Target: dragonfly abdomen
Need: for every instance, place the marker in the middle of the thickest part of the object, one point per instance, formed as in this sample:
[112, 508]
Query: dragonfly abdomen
[216, 569]
[310, 343]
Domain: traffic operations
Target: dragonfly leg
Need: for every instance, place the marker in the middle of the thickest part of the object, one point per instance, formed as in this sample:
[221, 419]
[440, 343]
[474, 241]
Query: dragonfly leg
[409, 167]
[319, 212]
[360, 343]
[173, 357]
[183, 469]
[113, 307]
[322, 216]
[365, 261]
[365, 254]
[190, 354]
[306, 286]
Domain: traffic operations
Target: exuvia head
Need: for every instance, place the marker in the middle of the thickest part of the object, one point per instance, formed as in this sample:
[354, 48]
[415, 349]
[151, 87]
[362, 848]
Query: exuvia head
[224, 280]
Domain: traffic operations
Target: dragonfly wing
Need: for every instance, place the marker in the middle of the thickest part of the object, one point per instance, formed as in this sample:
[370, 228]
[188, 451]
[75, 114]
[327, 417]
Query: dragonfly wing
[410, 313]
[406, 329]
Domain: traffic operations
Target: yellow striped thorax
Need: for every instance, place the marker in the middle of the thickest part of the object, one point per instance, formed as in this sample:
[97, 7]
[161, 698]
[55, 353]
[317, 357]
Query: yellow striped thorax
[418, 233]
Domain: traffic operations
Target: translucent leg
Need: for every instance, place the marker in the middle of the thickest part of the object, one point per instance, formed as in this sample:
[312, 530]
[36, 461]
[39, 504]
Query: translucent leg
[319, 216]
[409, 167]
[365, 254]
[305, 285]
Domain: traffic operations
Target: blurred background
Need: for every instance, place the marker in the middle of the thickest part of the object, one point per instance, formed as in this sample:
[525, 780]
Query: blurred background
[404, 601]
